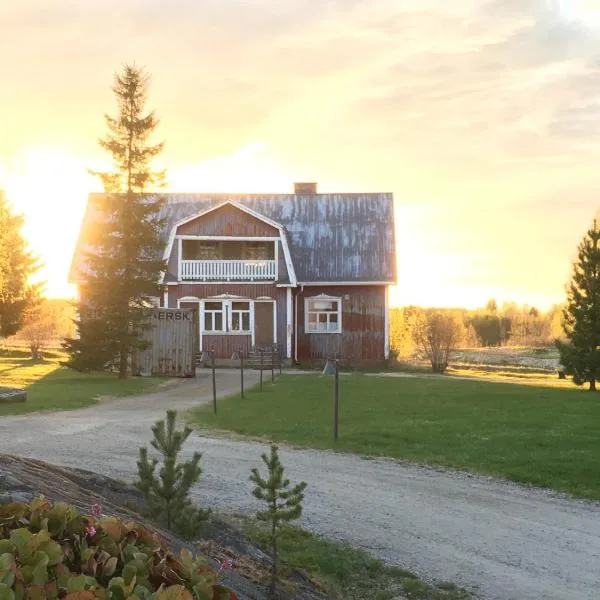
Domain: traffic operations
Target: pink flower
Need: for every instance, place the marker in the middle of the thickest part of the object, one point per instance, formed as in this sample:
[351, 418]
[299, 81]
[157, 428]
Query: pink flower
[96, 511]
[226, 565]
[90, 531]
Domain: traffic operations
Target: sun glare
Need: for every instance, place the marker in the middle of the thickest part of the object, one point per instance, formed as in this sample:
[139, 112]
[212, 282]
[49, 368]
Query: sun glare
[585, 12]
[49, 186]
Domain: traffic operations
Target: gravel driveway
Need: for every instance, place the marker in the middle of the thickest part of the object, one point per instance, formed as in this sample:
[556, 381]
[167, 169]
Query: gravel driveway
[504, 541]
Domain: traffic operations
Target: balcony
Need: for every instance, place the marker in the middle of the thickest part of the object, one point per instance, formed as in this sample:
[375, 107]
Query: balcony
[227, 260]
[228, 270]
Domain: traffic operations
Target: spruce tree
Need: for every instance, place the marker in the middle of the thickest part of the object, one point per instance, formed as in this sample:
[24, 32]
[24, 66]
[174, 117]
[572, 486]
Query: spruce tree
[284, 504]
[16, 266]
[580, 355]
[167, 493]
[123, 266]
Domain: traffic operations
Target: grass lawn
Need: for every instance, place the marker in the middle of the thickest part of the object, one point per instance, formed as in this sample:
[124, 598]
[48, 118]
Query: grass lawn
[52, 387]
[545, 436]
[346, 572]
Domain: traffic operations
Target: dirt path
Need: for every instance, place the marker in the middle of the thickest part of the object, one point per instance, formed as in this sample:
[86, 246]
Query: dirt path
[508, 542]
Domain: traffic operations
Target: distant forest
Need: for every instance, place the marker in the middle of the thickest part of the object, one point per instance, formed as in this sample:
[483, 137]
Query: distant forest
[508, 325]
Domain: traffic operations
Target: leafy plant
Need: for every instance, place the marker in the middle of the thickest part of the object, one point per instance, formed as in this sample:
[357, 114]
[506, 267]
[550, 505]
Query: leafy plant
[168, 493]
[49, 552]
[284, 504]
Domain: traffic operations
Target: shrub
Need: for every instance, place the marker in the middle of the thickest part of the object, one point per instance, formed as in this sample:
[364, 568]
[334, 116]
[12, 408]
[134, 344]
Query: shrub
[49, 552]
[168, 492]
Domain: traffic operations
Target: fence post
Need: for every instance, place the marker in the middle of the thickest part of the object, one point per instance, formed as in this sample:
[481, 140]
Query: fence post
[242, 369]
[336, 399]
[280, 358]
[214, 379]
[273, 364]
[261, 369]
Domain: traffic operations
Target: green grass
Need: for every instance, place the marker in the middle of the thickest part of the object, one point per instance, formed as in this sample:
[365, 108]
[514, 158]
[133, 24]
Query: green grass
[345, 572]
[530, 433]
[51, 387]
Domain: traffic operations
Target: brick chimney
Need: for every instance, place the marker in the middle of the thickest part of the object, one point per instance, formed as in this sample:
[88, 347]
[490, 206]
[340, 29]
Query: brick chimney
[305, 189]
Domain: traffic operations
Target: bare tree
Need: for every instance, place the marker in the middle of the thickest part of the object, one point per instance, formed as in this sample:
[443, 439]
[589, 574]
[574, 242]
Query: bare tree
[436, 334]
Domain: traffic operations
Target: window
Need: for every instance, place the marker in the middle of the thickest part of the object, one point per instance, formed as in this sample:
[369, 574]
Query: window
[240, 317]
[323, 315]
[226, 316]
[213, 316]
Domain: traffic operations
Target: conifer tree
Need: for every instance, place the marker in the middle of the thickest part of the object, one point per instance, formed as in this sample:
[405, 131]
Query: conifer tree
[580, 355]
[284, 504]
[123, 266]
[168, 493]
[16, 266]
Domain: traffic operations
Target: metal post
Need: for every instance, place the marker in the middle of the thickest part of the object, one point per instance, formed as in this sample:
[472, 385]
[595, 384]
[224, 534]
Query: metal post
[336, 400]
[272, 364]
[242, 369]
[214, 379]
[261, 369]
[280, 360]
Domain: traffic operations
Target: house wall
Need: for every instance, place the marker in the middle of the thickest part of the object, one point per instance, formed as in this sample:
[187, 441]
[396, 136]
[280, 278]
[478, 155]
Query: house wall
[363, 325]
[226, 344]
[228, 220]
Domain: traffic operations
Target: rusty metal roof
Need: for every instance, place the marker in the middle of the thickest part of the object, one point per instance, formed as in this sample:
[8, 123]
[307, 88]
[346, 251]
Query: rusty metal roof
[332, 237]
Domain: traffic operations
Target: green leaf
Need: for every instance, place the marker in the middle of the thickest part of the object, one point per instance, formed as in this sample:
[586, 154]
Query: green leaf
[6, 593]
[76, 583]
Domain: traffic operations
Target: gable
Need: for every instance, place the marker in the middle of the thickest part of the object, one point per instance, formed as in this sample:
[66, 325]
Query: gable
[228, 220]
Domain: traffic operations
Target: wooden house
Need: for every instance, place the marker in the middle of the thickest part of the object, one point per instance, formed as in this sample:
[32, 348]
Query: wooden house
[309, 272]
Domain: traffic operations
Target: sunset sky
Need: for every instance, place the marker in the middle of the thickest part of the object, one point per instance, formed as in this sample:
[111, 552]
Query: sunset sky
[481, 116]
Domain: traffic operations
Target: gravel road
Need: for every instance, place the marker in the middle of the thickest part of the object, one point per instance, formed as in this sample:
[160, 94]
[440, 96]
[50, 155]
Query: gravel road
[503, 541]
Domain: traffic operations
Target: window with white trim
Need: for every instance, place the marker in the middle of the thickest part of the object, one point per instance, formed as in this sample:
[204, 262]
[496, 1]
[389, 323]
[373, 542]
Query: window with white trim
[323, 314]
[227, 316]
[213, 317]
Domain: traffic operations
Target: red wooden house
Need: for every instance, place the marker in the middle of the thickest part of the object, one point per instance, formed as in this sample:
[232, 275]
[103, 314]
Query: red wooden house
[307, 271]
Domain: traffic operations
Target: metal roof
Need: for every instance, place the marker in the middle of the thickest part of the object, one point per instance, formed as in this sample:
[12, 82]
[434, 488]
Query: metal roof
[332, 237]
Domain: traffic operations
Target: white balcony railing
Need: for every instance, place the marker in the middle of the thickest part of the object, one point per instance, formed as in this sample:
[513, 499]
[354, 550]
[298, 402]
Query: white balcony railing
[228, 270]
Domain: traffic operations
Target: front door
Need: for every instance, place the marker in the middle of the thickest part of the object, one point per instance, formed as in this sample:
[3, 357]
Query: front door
[263, 323]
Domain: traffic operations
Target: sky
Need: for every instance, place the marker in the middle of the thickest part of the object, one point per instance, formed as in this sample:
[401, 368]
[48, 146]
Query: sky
[481, 116]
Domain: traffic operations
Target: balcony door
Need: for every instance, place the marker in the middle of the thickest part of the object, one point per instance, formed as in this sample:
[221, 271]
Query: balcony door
[264, 323]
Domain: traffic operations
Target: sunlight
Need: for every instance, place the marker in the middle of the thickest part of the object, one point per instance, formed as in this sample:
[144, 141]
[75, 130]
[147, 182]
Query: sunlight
[251, 169]
[49, 186]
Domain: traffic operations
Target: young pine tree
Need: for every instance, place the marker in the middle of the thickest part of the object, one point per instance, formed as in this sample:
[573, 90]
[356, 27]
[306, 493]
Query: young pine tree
[123, 266]
[284, 504]
[580, 355]
[168, 493]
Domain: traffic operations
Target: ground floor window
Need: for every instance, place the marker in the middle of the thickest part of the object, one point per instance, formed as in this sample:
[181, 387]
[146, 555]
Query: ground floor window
[227, 316]
[323, 314]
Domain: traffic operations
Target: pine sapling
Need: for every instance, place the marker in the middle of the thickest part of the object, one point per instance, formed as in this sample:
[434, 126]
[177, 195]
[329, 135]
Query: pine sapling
[284, 504]
[167, 493]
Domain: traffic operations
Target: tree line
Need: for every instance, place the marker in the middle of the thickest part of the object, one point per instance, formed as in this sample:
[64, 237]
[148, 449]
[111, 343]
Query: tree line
[489, 326]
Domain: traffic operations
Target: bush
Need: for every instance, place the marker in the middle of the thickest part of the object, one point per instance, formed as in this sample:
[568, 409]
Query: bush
[50, 552]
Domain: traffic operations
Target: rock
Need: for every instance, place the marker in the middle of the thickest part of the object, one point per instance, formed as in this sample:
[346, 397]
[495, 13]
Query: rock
[22, 479]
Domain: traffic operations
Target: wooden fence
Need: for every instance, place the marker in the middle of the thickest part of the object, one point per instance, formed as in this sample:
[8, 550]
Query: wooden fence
[172, 337]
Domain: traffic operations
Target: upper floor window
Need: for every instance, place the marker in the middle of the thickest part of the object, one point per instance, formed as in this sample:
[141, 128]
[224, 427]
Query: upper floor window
[323, 314]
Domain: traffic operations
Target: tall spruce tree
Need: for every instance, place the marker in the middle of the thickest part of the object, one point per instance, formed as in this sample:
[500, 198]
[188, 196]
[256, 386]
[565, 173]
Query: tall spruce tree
[123, 265]
[16, 266]
[580, 355]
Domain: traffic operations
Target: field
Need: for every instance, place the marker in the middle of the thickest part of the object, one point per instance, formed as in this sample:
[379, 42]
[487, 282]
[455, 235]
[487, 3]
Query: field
[535, 433]
[53, 387]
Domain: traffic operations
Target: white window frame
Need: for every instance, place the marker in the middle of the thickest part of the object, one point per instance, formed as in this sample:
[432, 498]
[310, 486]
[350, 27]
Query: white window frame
[226, 321]
[326, 298]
